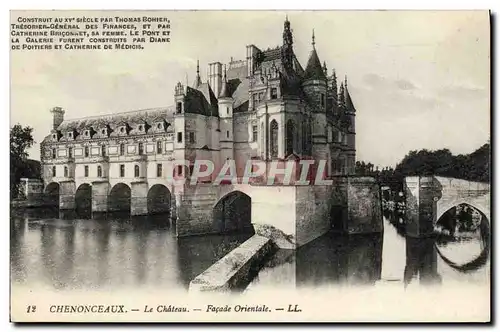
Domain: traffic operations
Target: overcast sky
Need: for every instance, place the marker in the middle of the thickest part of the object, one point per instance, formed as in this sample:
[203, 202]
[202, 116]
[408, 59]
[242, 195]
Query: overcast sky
[418, 79]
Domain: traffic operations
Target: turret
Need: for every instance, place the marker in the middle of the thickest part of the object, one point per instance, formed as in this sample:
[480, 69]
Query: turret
[287, 49]
[225, 103]
[197, 80]
[350, 111]
[57, 117]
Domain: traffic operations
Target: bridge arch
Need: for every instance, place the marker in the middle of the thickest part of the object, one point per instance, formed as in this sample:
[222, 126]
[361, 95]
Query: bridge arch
[442, 208]
[482, 228]
[119, 198]
[159, 198]
[51, 192]
[233, 213]
[83, 197]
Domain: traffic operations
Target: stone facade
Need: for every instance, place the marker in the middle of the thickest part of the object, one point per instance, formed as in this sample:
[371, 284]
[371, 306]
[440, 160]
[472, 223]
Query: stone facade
[428, 198]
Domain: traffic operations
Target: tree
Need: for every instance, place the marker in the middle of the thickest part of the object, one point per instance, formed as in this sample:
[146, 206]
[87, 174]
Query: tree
[21, 139]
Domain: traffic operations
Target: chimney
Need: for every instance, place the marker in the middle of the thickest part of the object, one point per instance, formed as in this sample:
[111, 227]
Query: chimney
[58, 116]
[215, 77]
[252, 51]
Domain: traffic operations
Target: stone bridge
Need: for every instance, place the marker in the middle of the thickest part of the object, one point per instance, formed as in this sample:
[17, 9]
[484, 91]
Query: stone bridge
[428, 198]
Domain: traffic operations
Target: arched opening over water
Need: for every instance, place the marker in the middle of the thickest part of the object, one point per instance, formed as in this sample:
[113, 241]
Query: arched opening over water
[83, 197]
[233, 214]
[52, 194]
[119, 198]
[463, 237]
[159, 198]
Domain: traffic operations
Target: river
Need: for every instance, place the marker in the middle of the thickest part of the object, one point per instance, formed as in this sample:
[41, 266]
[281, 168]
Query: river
[77, 252]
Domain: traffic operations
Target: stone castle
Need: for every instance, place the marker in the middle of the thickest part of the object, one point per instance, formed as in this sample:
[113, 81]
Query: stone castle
[266, 107]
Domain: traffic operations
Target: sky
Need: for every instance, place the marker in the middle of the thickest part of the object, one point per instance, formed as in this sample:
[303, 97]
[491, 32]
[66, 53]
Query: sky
[418, 79]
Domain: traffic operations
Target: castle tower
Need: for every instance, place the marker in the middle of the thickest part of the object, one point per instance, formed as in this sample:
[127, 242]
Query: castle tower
[57, 117]
[179, 124]
[351, 130]
[315, 87]
[226, 121]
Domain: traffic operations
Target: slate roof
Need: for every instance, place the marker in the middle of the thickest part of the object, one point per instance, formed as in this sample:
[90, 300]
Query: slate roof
[314, 70]
[113, 120]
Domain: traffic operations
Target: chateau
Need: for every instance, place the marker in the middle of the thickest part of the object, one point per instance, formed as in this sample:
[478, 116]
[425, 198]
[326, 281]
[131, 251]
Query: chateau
[266, 107]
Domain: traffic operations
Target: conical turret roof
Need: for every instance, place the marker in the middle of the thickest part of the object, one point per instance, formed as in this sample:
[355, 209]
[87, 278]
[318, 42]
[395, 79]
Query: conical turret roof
[224, 92]
[314, 70]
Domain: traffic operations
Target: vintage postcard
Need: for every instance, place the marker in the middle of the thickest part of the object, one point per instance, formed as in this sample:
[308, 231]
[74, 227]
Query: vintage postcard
[250, 166]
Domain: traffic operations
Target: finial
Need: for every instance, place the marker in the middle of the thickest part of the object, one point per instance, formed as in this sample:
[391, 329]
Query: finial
[333, 72]
[286, 17]
[345, 79]
[313, 40]
[225, 71]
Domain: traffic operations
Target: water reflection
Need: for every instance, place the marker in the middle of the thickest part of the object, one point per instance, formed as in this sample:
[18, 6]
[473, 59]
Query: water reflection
[421, 261]
[337, 259]
[68, 250]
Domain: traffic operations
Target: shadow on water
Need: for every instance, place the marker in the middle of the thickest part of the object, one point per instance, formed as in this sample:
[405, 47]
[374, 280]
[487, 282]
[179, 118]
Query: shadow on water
[340, 259]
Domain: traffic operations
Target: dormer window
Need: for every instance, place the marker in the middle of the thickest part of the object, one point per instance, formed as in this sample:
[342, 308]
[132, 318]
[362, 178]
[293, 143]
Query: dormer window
[87, 133]
[122, 129]
[159, 126]
[103, 131]
[140, 127]
[70, 135]
[54, 136]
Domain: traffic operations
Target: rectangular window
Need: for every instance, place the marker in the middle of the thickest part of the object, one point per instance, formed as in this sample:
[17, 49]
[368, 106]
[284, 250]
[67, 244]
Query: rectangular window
[192, 138]
[274, 93]
[53, 171]
[65, 171]
[254, 133]
[159, 148]
[53, 153]
[70, 152]
[122, 171]
[227, 133]
[122, 149]
[322, 100]
[86, 171]
[179, 169]
[141, 149]
[103, 150]
[159, 169]
[86, 151]
[261, 96]
[179, 108]
[99, 171]
[179, 137]
[191, 168]
[255, 98]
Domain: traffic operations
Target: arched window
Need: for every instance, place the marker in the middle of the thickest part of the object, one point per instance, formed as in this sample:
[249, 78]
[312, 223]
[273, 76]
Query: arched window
[274, 138]
[99, 171]
[290, 139]
[136, 171]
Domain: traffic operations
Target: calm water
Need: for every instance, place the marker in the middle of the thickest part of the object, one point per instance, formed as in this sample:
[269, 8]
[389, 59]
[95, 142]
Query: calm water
[52, 252]
[361, 260]
[119, 253]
